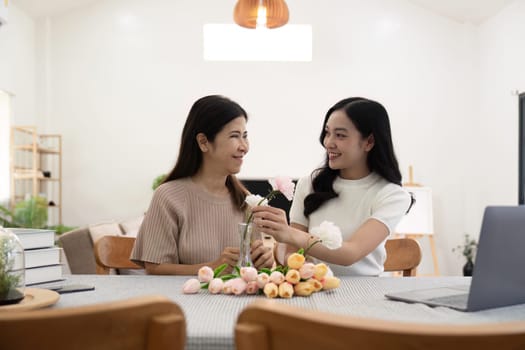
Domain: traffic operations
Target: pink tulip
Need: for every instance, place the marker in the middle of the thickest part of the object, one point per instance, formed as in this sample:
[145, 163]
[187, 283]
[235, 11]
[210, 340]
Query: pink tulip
[227, 287]
[331, 283]
[293, 276]
[271, 290]
[191, 286]
[295, 261]
[277, 277]
[285, 290]
[303, 289]
[248, 273]
[316, 284]
[320, 271]
[215, 286]
[252, 287]
[284, 185]
[307, 270]
[205, 274]
[238, 286]
[262, 279]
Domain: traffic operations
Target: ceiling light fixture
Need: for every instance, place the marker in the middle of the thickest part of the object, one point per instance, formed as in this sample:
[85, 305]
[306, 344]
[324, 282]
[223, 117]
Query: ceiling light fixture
[261, 13]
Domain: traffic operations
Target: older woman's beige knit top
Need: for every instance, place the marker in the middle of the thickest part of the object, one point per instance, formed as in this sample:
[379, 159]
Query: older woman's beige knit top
[186, 225]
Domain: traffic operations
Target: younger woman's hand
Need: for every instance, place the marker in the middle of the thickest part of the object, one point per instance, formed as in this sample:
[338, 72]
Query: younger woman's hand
[272, 221]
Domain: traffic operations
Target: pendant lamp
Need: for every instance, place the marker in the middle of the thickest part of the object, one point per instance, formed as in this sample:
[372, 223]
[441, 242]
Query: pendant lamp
[261, 13]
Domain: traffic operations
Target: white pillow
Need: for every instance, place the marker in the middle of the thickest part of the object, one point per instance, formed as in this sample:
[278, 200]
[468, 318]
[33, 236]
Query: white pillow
[131, 227]
[104, 229]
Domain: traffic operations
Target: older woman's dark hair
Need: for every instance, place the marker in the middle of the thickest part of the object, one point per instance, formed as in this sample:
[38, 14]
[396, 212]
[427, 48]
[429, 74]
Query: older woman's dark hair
[370, 118]
[208, 115]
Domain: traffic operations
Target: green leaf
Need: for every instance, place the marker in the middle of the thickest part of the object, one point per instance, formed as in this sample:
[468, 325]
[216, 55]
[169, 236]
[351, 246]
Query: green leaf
[219, 270]
[238, 269]
[301, 251]
[205, 285]
[266, 271]
[228, 277]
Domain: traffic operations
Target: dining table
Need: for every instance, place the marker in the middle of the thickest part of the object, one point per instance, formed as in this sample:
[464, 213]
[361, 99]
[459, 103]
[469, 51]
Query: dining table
[210, 318]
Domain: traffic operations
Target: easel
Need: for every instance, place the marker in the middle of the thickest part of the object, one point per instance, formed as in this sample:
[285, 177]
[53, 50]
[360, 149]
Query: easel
[428, 231]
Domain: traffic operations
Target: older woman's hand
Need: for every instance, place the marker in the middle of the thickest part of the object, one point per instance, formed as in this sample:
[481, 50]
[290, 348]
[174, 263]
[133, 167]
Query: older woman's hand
[262, 256]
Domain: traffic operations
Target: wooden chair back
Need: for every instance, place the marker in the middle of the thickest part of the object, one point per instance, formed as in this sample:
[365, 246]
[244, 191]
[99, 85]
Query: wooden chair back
[270, 325]
[402, 254]
[113, 252]
[148, 322]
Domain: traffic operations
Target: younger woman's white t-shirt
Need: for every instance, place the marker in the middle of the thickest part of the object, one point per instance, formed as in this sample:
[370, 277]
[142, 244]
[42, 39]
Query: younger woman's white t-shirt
[358, 201]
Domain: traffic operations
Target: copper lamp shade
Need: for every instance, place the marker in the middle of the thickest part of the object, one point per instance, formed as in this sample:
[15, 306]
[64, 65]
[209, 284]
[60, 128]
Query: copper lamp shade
[245, 13]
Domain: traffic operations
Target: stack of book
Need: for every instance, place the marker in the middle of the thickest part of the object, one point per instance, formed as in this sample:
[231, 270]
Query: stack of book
[42, 258]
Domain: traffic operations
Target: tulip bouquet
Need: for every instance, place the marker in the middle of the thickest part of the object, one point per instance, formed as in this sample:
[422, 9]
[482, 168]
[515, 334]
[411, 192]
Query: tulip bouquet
[298, 277]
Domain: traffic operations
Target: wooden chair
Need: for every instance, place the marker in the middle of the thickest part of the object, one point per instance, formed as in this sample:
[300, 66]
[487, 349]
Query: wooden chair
[113, 252]
[270, 325]
[148, 322]
[402, 254]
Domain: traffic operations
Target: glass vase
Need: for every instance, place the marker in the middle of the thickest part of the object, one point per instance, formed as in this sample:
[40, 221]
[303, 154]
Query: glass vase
[12, 272]
[245, 235]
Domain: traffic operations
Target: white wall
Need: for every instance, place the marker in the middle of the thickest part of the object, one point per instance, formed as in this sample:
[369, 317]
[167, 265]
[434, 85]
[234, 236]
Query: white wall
[119, 77]
[493, 176]
[17, 66]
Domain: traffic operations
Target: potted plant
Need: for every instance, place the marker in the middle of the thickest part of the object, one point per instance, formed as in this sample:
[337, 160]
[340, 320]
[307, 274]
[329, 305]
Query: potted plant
[11, 268]
[468, 250]
[29, 213]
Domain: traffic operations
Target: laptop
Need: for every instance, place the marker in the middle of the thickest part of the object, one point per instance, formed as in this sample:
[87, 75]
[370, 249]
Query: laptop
[498, 278]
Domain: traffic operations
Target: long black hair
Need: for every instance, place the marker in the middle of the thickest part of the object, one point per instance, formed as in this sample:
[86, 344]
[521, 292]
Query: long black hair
[370, 118]
[208, 115]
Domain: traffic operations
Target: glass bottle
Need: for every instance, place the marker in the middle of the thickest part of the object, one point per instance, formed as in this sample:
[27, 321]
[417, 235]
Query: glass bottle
[245, 235]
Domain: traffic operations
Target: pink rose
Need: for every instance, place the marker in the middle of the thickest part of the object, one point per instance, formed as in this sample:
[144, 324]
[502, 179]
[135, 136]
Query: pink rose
[205, 274]
[252, 287]
[191, 286]
[271, 290]
[238, 286]
[284, 185]
[262, 279]
[248, 273]
[277, 277]
[215, 286]
[307, 270]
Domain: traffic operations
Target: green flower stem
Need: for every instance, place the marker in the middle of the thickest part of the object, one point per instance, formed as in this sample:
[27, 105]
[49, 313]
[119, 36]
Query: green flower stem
[268, 197]
[305, 251]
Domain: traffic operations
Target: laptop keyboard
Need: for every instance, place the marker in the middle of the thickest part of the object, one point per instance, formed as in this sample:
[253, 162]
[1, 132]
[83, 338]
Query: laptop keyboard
[455, 300]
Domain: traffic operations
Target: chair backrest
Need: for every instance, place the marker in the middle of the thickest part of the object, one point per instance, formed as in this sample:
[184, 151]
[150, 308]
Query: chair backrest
[113, 252]
[148, 322]
[402, 254]
[78, 247]
[269, 325]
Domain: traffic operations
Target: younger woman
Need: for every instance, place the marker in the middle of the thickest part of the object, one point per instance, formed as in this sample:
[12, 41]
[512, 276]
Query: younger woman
[358, 189]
